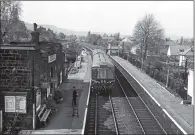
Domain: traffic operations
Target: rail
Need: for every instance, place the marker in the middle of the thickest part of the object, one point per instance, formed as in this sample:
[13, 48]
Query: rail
[114, 117]
[131, 106]
[96, 112]
[147, 121]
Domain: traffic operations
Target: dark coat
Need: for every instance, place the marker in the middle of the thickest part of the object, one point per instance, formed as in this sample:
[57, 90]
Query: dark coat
[74, 94]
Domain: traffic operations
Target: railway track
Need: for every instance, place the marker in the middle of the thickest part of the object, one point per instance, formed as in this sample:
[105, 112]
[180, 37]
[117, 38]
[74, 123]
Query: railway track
[125, 118]
[145, 123]
[100, 119]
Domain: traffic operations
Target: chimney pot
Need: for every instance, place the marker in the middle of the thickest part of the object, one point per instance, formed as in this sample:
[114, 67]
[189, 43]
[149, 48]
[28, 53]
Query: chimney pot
[35, 26]
[35, 34]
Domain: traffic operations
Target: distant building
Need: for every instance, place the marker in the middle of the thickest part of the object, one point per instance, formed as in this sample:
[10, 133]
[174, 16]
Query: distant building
[112, 50]
[125, 45]
[189, 55]
[174, 51]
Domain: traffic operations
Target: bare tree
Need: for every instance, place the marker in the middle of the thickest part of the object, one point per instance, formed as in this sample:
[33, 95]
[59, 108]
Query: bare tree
[10, 11]
[149, 32]
[181, 41]
[117, 36]
[88, 33]
[10, 22]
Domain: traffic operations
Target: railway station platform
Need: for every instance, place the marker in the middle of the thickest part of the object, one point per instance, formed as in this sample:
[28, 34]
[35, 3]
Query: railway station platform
[168, 110]
[62, 121]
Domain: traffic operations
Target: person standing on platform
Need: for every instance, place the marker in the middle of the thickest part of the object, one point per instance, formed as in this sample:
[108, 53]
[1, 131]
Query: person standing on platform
[74, 99]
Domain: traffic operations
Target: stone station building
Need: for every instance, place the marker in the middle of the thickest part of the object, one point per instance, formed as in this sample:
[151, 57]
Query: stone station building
[29, 72]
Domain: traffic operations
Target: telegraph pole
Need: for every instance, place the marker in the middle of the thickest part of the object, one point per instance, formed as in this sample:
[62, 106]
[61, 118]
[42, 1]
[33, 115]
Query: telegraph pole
[167, 74]
[185, 78]
[142, 59]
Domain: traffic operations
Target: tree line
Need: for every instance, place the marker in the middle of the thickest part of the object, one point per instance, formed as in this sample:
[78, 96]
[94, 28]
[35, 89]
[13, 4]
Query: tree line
[12, 28]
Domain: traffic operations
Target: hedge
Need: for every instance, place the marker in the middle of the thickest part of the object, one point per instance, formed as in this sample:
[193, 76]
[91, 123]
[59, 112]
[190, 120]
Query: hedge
[157, 72]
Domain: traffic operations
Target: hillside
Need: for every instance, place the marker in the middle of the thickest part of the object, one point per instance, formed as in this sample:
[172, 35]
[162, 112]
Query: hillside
[65, 31]
[57, 30]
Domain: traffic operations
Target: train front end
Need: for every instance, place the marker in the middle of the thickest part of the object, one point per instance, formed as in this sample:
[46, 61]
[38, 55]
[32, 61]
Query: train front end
[103, 75]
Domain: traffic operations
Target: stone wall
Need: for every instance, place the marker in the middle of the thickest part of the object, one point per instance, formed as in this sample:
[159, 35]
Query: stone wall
[18, 59]
[17, 80]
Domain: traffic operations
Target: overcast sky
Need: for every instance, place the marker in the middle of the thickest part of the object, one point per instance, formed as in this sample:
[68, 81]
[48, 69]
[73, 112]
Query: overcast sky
[176, 17]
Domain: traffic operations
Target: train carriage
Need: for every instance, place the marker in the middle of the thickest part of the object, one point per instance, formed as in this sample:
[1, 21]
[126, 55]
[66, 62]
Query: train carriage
[103, 77]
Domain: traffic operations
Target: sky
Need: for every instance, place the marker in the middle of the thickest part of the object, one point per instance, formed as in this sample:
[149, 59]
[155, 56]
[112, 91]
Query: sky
[176, 17]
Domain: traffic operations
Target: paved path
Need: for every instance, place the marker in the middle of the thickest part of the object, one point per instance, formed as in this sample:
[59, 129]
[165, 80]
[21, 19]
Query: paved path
[180, 114]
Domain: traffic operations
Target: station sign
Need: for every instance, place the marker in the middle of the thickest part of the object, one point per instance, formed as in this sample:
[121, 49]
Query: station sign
[51, 58]
[54, 80]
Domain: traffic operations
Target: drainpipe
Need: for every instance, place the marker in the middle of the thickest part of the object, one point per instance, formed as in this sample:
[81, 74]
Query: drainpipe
[0, 26]
[33, 95]
[35, 39]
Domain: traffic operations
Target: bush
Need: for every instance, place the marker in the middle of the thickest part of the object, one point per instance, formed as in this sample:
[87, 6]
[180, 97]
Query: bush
[152, 72]
[164, 78]
[171, 83]
[156, 74]
[160, 76]
[158, 65]
[138, 64]
[178, 84]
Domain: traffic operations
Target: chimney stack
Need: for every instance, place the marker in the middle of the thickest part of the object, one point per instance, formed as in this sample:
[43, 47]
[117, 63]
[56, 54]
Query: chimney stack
[35, 34]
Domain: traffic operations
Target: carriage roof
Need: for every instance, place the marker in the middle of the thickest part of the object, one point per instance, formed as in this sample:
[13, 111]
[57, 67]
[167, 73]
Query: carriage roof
[100, 58]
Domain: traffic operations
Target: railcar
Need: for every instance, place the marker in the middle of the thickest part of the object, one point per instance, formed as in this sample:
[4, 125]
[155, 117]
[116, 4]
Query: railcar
[103, 73]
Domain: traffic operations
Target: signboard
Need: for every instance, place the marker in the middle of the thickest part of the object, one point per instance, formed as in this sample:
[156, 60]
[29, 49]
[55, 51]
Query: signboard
[20, 104]
[1, 120]
[38, 99]
[54, 80]
[65, 57]
[10, 104]
[15, 104]
[61, 77]
[51, 58]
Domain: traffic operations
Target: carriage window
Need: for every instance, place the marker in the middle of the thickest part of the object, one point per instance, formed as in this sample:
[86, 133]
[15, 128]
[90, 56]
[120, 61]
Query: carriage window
[109, 74]
[95, 73]
[102, 73]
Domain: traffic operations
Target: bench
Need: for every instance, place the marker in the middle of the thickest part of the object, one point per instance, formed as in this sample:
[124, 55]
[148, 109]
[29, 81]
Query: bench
[43, 115]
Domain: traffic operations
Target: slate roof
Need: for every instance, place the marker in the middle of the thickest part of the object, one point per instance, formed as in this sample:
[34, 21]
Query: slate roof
[177, 49]
[188, 52]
